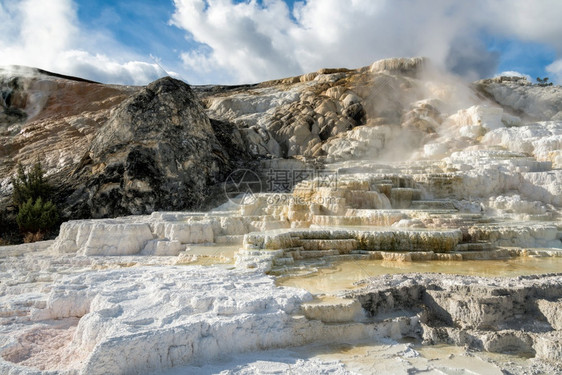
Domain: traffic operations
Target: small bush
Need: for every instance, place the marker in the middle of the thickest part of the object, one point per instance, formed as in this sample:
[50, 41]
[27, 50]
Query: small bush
[30, 185]
[4, 229]
[543, 81]
[37, 216]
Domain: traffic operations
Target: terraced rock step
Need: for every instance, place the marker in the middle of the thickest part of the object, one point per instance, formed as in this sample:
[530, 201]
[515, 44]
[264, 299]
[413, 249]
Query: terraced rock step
[402, 245]
[474, 246]
[389, 240]
[403, 197]
[359, 217]
[343, 246]
[432, 204]
[518, 315]
[162, 233]
[333, 310]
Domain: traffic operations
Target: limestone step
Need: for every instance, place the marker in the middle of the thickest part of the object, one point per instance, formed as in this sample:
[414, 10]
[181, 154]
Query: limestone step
[343, 246]
[333, 220]
[381, 218]
[293, 252]
[486, 255]
[259, 217]
[403, 197]
[384, 239]
[385, 182]
[450, 256]
[384, 188]
[323, 234]
[260, 252]
[474, 246]
[308, 254]
[230, 239]
[333, 310]
[346, 257]
[264, 225]
[288, 250]
[283, 261]
[300, 224]
[353, 184]
[401, 256]
[360, 252]
[299, 206]
[318, 253]
[432, 204]
[361, 199]
[410, 240]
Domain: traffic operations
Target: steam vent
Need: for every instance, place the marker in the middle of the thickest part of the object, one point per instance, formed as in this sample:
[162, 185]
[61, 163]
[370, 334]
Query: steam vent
[387, 219]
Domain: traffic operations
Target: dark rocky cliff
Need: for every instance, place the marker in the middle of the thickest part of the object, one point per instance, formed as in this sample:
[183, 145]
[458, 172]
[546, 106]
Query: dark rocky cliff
[158, 151]
[111, 150]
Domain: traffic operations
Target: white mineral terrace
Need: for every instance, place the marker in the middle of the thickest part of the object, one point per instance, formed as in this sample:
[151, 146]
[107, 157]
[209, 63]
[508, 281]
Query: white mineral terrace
[325, 279]
[188, 292]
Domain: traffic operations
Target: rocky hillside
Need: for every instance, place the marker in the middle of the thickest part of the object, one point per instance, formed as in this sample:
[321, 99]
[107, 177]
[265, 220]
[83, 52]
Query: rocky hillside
[412, 165]
[113, 150]
[117, 150]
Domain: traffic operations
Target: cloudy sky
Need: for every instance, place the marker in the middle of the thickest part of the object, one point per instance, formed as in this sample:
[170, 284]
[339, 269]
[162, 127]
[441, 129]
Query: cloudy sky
[244, 41]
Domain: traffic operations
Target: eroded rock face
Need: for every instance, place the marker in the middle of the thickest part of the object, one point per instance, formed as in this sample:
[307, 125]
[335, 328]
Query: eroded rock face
[394, 110]
[298, 116]
[518, 315]
[520, 96]
[60, 118]
[114, 150]
[157, 150]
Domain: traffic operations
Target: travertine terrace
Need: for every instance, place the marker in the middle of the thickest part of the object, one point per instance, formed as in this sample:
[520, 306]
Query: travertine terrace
[395, 162]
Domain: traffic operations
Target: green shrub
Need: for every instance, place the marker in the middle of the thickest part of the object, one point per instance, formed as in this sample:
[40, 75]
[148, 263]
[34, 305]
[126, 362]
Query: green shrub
[37, 216]
[30, 185]
[543, 81]
[2, 229]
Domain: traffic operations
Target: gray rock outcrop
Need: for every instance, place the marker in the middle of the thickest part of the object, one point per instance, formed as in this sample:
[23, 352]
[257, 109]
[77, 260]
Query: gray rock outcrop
[158, 150]
[517, 315]
[534, 102]
[114, 150]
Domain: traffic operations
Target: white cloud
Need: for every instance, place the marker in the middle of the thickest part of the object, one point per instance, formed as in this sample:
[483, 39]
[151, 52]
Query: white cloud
[247, 41]
[254, 41]
[46, 34]
[556, 70]
[534, 21]
[257, 41]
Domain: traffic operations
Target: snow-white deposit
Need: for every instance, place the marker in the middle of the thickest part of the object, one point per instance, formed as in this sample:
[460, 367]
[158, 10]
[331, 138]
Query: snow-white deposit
[541, 140]
[139, 319]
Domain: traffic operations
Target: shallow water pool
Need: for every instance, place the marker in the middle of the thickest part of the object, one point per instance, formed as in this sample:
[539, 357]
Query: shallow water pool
[343, 275]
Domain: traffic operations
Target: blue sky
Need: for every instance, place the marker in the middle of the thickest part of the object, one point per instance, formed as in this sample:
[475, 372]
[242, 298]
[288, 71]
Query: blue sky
[241, 41]
[142, 26]
[529, 58]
